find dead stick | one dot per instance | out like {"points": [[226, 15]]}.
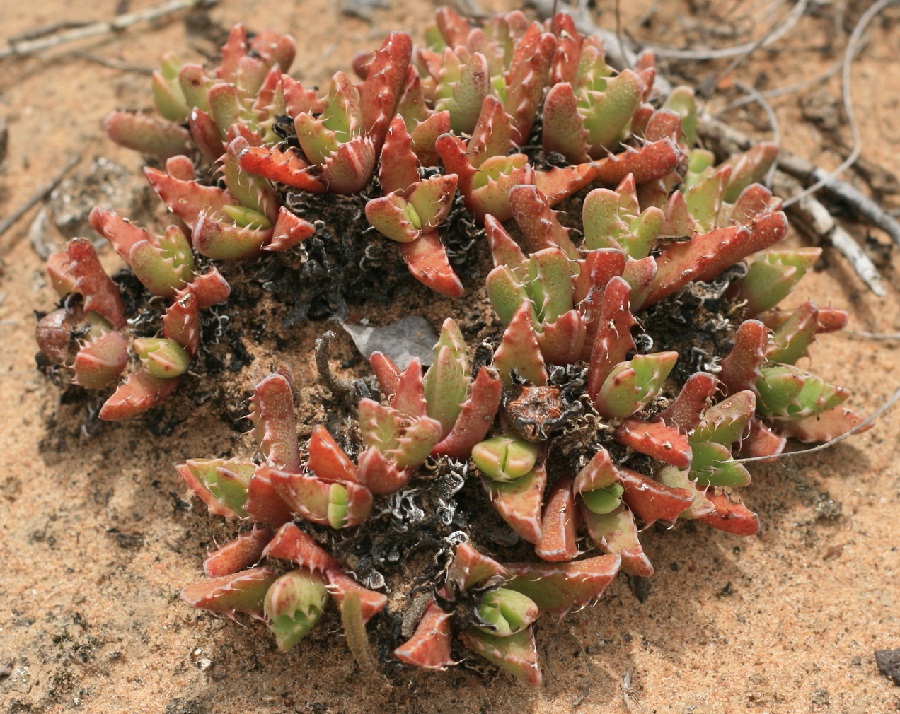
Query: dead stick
{"points": [[38, 196], [855, 200], [96, 29], [812, 217]]}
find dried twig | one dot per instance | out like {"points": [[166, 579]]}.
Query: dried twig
{"points": [[812, 217], [38, 196], [23, 48], [861, 334]]}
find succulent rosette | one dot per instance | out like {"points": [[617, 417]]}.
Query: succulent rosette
{"points": [[640, 347]]}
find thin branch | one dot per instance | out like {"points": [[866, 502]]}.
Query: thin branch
{"points": [[814, 218], [871, 335], [45, 30], [853, 198], [38, 196], [24, 48], [895, 397]]}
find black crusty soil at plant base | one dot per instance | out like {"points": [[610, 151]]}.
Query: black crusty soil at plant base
{"points": [[636, 357]]}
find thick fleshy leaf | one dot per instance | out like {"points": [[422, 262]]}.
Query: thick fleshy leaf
{"points": [[380, 90], [339, 505], [289, 230], [505, 612], [462, 87], [100, 293], [526, 78], [506, 292], [505, 458], [562, 341], [653, 501], [138, 393], [220, 483], [275, 423], [650, 162], [326, 458], [519, 502], [428, 263], [100, 361], [379, 474], [264, 505], [294, 603], [598, 473], [446, 383], [708, 254], [469, 567], [161, 357], [394, 218], [516, 654], [429, 647], [726, 422], [475, 416], [340, 585], [791, 340], [519, 350], [290, 543], [633, 384], [162, 264], [730, 516], [181, 322], [608, 113], [612, 334], [559, 526], [563, 127], [616, 533], [656, 440], [713, 465], [409, 397], [772, 275], [240, 592], [789, 393], [492, 135], [824, 426], [432, 199], [240, 553], [686, 410], [762, 441], [147, 134], [538, 222], [559, 587], [741, 368]]}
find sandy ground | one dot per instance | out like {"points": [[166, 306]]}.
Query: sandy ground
{"points": [[97, 535]]}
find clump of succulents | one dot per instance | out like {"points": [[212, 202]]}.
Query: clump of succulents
{"points": [[636, 358]]}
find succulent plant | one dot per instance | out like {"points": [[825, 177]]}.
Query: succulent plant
{"points": [[632, 363]]}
